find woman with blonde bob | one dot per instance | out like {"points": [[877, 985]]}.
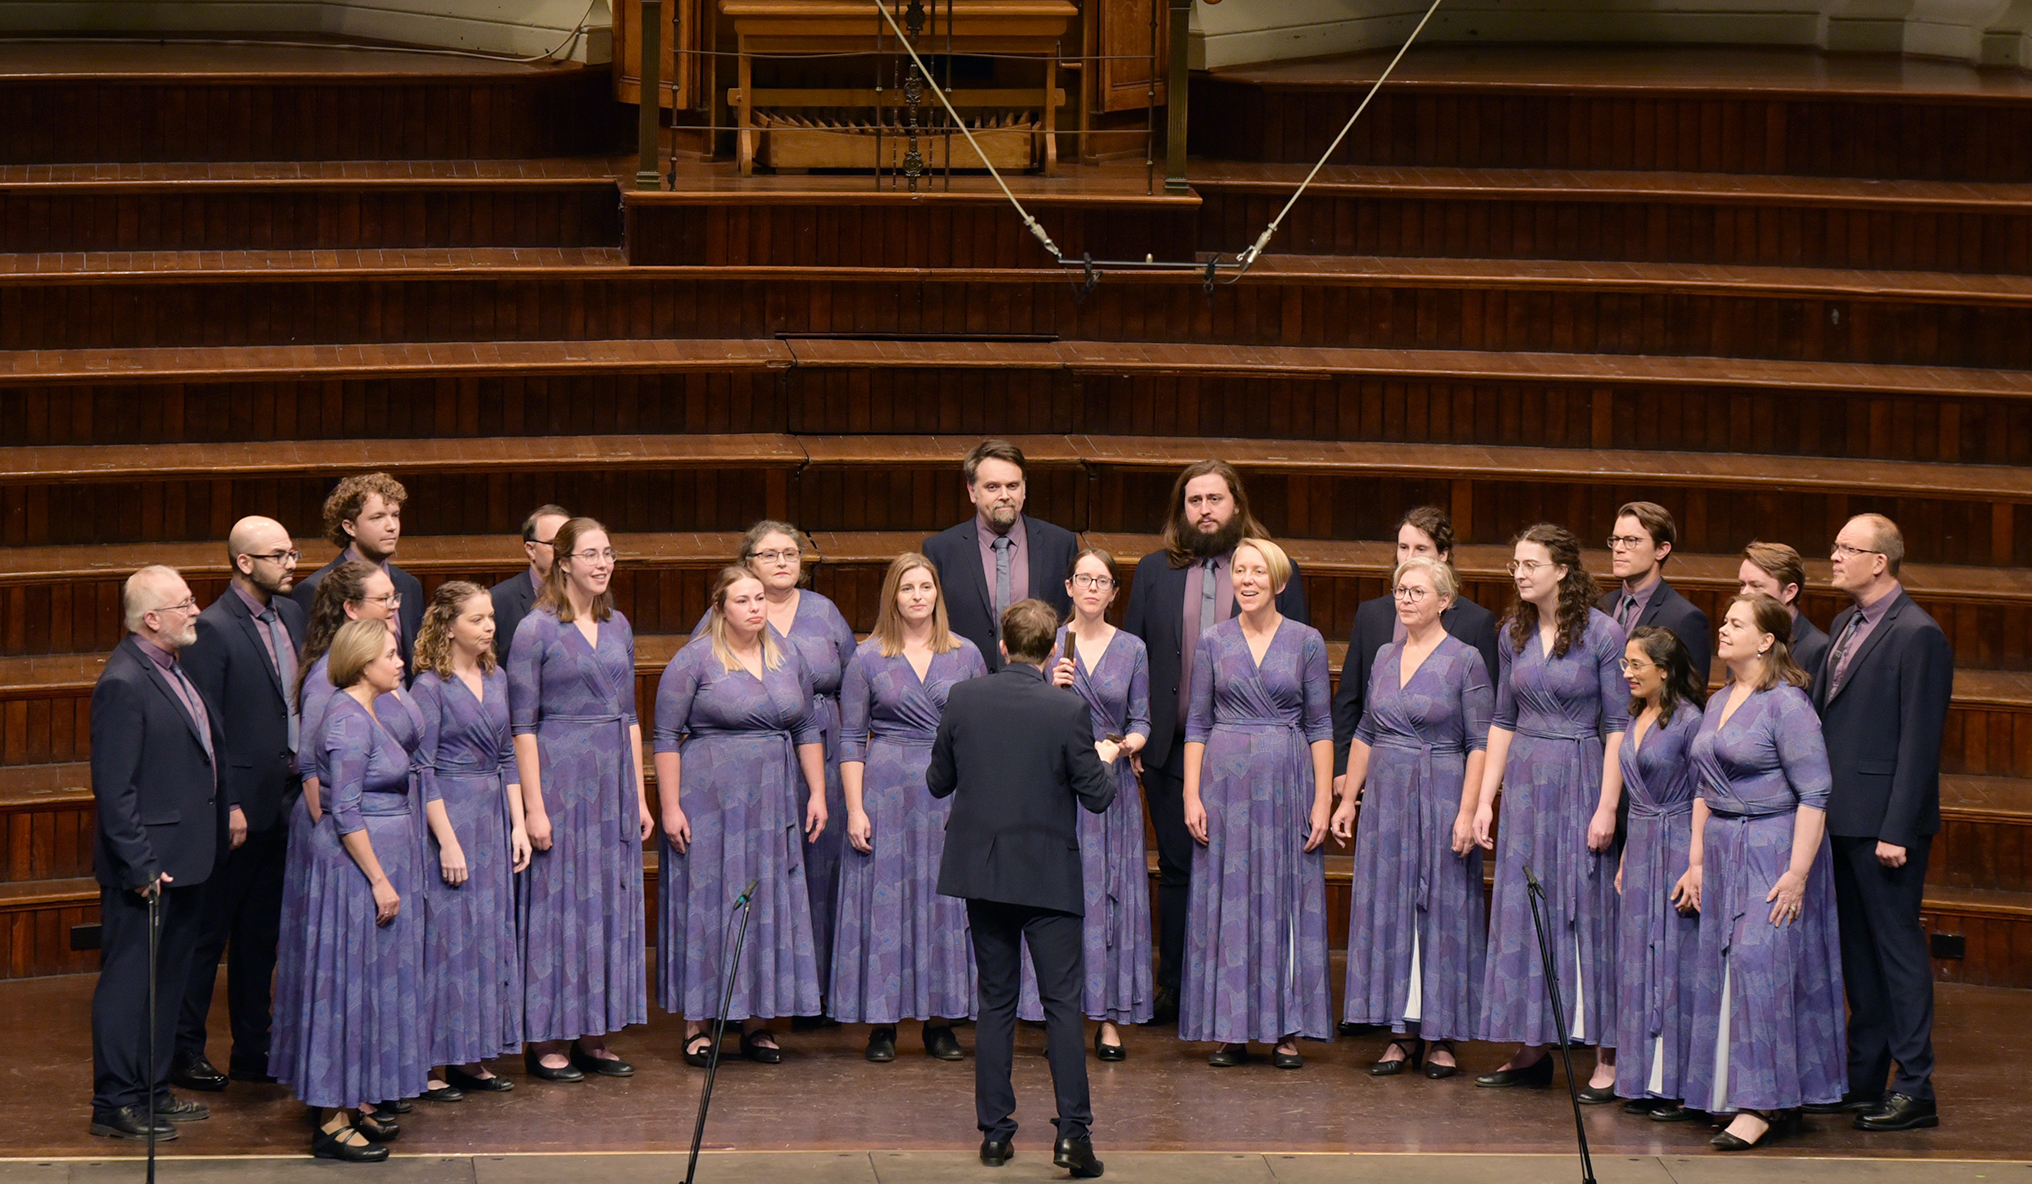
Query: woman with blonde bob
{"points": [[738, 747], [901, 950]]}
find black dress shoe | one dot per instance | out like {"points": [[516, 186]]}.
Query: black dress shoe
{"points": [[325, 1146], [603, 1066], [940, 1045], [378, 1129], [698, 1049], [1414, 1055], [1227, 1056], [1778, 1126], [1646, 1105], [253, 1072], [1108, 1052], [1350, 1028], [1597, 1095], [171, 1108], [534, 1066], [495, 1084], [1076, 1156], [1537, 1075], [882, 1044], [812, 1023], [996, 1152], [394, 1106], [443, 1093], [131, 1122], [1676, 1112], [761, 1054], [194, 1071], [1853, 1101], [1900, 1112], [1287, 1060], [1164, 1011]]}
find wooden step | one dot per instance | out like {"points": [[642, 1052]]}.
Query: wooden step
{"points": [[1986, 835], [47, 821], [1995, 928], [36, 919]]}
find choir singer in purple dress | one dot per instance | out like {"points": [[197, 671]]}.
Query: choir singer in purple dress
{"points": [[740, 769], [1416, 935], [578, 759], [1769, 1009], [1258, 793]]}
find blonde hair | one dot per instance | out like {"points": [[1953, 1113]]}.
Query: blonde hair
{"points": [[889, 623], [355, 645], [1275, 561], [716, 623], [434, 636], [1439, 571]]}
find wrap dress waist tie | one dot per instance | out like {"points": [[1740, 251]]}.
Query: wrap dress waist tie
{"points": [[1734, 903], [1424, 784], [781, 810], [624, 788], [1663, 913], [902, 737], [474, 771], [1566, 903]]}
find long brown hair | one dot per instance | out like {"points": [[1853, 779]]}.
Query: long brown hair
{"points": [[434, 636], [1576, 592], [889, 623], [563, 547], [1773, 618], [716, 623], [1175, 524], [343, 585], [1683, 684]]}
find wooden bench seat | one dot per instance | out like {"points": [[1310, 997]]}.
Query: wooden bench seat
{"points": [[272, 363]]}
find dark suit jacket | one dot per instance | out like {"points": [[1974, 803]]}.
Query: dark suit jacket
{"points": [[970, 603], [229, 663], [1157, 615], [1016, 753], [1883, 729], [410, 614], [513, 598], [1675, 612], [156, 792], [1809, 645], [1375, 625]]}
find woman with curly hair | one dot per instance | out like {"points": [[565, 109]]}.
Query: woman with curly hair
{"points": [[1555, 745]]}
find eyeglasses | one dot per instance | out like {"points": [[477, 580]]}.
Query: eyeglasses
{"points": [[386, 599], [1844, 551], [1527, 567], [786, 556], [1084, 580], [1626, 542], [544, 542], [590, 555], [186, 605], [1630, 667], [1412, 594], [279, 556]]}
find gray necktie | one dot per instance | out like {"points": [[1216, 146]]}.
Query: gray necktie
{"points": [[193, 704], [1209, 606], [1626, 613], [1839, 656], [285, 665], [1001, 546]]}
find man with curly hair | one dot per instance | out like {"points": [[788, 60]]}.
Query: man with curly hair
{"points": [[363, 518]]}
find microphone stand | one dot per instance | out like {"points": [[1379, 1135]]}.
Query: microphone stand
{"points": [[742, 905], [1535, 893], [154, 954]]}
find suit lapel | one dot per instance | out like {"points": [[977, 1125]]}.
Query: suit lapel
{"points": [[1868, 646], [161, 683], [253, 627], [974, 577]]}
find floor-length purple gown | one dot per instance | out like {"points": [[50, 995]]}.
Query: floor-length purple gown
{"points": [[1657, 946], [739, 786], [355, 1030], [1256, 954], [901, 951], [1561, 711], [1769, 1011], [471, 957], [1416, 934], [822, 637], [1113, 864], [584, 971]]}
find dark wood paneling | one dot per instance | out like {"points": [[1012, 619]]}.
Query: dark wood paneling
{"points": [[1983, 854], [1999, 948], [54, 843]]}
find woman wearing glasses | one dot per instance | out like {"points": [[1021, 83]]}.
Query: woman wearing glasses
{"points": [[1658, 929], [1111, 671], [1415, 770], [1554, 752], [578, 756], [811, 625]]}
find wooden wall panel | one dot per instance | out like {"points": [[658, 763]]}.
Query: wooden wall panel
{"points": [[1983, 854], [48, 844]]}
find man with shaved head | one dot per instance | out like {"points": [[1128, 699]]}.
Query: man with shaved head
{"points": [[244, 660]]}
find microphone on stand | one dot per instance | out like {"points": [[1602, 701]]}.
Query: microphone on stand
{"points": [[1535, 895], [742, 907]]}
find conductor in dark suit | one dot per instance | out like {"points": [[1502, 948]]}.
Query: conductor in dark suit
{"points": [[516, 595], [1424, 531], [1639, 546], [244, 661], [1179, 591], [1883, 696], [1777, 571], [1017, 756], [363, 517], [1000, 555], [161, 825]]}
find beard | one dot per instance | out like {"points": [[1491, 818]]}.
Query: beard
{"points": [[1001, 517], [1205, 546], [273, 586], [187, 637]]}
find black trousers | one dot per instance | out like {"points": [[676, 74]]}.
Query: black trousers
{"points": [[1164, 798], [1886, 966], [241, 917], [1058, 956], [120, 1002]]}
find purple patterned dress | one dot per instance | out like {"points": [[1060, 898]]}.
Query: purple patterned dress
{"points": [[822, 637], [1255, 951], [470, 953], [739, 786], [1416, 935], [1657, 947], [1769, 1013], [584, 972], [353, 1032], [901, 950], [1561, 711], [1113, 865]]}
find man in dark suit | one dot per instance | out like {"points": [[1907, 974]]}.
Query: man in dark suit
{"points": [[244, 661], [1016, 755], [1777, 571], [516, 595], [363, 518], [1639, 547], [1883, 696], [1425, 531], [1000, 555], [1178, 592], [161, 825]]}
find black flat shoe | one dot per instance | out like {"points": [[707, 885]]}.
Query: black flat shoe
{"points": [[812, 1023], [1108, 1052], [1076, 1156], [1597, 1095], [495, 1084], [1164, 1011], [533, 1064], [698, 1049], [1900, 1112], [395, 1106], [1287, 1060], [1851, 1102], [194, 1071], [761, 1054], [1676, 1112], [609, 1066], [328, 1146], [939, 1044], [995, 1153], [443, 1093], [131, 1122], [1778, 1127], [882, 1044], [1643, 1106], [1227, 1056], [1435, 1070], [377, 1129], [1414, 1055], [1537, 1075]]}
